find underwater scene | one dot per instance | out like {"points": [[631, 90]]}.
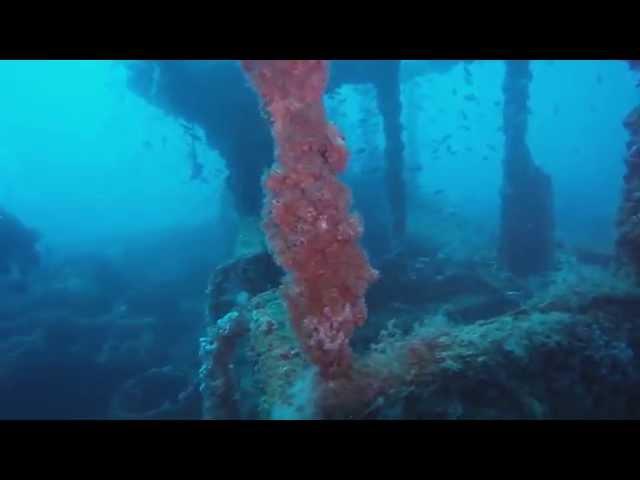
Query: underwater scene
{"points": [[311, 239]]}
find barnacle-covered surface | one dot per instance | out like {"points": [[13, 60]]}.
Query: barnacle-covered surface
{"points": [[569, 352]]}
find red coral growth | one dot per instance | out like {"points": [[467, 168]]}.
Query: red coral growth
{"points": [[307, 214]]}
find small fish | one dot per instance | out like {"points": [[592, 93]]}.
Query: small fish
{"points": [[497, 103], [463, 114], [485, 158], [454, 92], [361, 151], [445, 138], [439, 142], [164, 141], [191, 133], [491, 147], [599, 79], [440, 191], [465, 127], [197, 170], [513, 292], [470, 97], [148, 145], [556, 110]]}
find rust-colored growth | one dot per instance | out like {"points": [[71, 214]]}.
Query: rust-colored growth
{"points": [[379, 377], [308, 223]]}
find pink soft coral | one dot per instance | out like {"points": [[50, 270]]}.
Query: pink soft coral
{"points": [[307, 219]]}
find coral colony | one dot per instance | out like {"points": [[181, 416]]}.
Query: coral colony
{"points": [[310, 229]]}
